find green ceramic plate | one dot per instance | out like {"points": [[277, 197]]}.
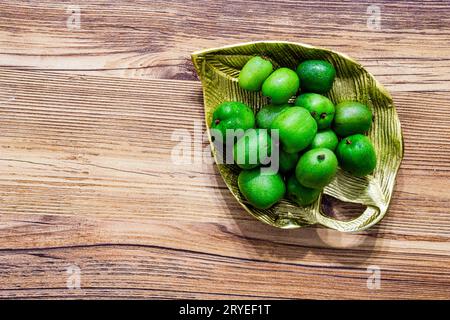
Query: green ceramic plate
{"points": [[219, 68]]}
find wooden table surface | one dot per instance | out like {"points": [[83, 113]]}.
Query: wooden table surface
{"points": [[88, 182]]}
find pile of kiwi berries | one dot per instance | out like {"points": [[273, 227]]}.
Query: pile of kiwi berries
{"points": [[315, 136]]}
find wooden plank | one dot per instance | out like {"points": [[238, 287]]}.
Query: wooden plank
{"points": [[87, 179], [153, 39]]}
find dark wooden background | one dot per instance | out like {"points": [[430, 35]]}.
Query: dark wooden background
{"points": [[87, 181]]}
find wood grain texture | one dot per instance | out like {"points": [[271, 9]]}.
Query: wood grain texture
{"points": [[87, 120], [141, 39]]}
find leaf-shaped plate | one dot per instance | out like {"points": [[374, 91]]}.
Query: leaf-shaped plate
{"points": [[218, 70]]}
